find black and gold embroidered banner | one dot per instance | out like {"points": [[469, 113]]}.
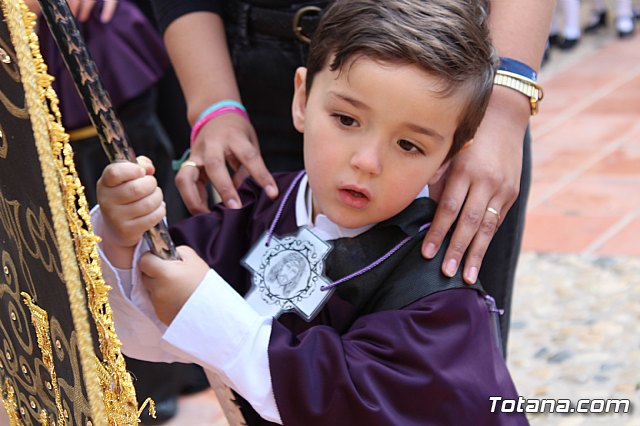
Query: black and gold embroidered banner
{"points": [[60, 360]]}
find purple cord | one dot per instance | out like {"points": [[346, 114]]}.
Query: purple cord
{"points": [[375, 262], [281, 208], [493, 306], [354, 274]]}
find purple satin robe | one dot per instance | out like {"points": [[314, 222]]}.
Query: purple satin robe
{"points": [[432, 362], [128, 52]]}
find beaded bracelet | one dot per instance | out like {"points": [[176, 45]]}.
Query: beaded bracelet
{"points": [[213, 114]]}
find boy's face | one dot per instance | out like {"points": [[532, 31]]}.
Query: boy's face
{"points": [[374, 135]]}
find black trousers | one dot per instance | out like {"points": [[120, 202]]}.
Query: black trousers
{"points": [[265, 66], [147, 137]]}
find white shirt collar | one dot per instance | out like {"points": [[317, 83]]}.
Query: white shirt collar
{"points": [[324, 227]]}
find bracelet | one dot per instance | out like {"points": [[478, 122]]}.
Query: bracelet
{"points": [[516, 67], [225, 103], [177, 164], [524, 85], [213, 114]]}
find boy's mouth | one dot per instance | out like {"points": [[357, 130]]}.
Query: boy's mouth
{"points": [[354, 197], [356, 193]]}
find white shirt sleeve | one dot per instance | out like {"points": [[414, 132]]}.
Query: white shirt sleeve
{"points": [[216, 328], [220, 331]]}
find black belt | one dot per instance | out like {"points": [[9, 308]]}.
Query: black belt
{"points": [[295, 23]]}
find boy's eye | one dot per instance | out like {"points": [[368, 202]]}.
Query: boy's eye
{"points": [[345, 120], [409, 146]]}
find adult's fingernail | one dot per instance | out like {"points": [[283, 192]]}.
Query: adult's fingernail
{"points": [[430, 250], [233, 204], [272, 191], [472, 275], [451, 267]]}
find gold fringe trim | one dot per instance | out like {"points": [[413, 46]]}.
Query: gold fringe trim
{"points": [[109, 386]]}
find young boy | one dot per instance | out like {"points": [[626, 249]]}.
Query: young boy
{"points": [[392, 90]]}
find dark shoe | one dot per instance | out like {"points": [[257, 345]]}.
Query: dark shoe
{"points": [[554, 40], [568, 43], [625, 34], [596, 21]]}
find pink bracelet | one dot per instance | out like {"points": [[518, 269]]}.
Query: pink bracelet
{"points": [[213, 114]]}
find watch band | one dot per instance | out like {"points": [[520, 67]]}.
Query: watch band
{"points": [[524, 85], [517, 67]]}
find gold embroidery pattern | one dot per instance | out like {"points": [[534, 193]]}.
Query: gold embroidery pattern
{"points": [[8, 397], [110, 396], [40, 321]]}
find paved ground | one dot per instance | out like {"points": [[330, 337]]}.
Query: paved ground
{"points": [[577, 301]]}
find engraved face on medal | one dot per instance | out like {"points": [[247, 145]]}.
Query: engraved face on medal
{"points": [[287, 274]]}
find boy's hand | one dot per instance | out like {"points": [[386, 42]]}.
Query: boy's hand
{"points": [[130, 200], [170, 283]]}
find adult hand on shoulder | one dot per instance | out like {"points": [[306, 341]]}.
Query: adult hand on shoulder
{"points": [[227, 139], [170, 283], [81, 9], [482, 184]]}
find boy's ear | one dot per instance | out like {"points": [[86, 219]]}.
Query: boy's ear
{"points": [[299, 105]]}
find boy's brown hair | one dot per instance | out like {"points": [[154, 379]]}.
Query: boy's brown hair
{"points": [[449, 39]]}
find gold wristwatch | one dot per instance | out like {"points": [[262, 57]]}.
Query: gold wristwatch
{"points": [[524, 85]]}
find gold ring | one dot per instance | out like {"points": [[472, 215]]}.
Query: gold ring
{"points": [[494, 211], [189, 163]]}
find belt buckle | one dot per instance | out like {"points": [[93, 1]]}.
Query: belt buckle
{"points": [[297, 18]]}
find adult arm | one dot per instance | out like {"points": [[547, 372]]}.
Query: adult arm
{"points": [[197, 47], [487, 174]]}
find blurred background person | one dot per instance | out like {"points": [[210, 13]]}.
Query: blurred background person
{"points": [[565, 25], [624, 17]]}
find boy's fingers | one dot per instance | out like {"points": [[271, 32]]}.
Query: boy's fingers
{"points": [[153, 266], [118, 173], [150, 265], [146, 164]]}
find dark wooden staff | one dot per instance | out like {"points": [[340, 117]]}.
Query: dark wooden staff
{"points": [[64, 29]]}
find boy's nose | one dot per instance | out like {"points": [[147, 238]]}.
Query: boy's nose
{"points": [[367, 159]]}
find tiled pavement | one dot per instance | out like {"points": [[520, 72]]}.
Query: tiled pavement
{"points": [[576, 307], [586, 178]]}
